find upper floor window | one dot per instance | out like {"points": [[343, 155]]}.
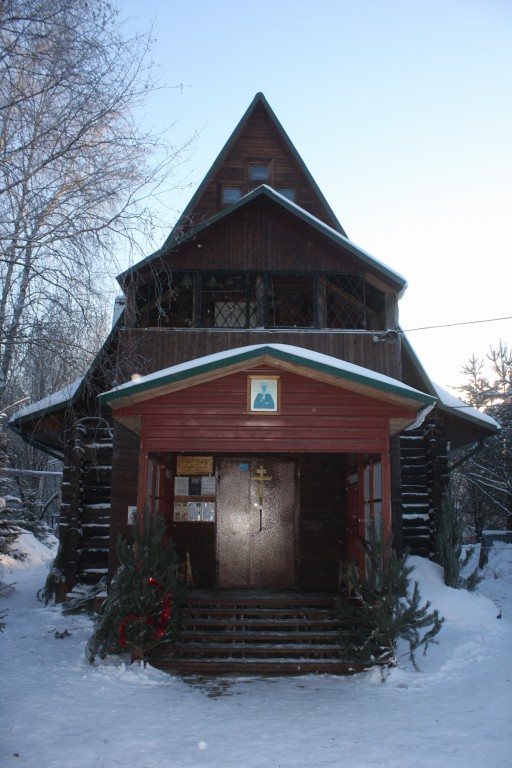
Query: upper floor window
{"points": [[289, 192], [243, 300], [231, 194], [259, 172], [345, 301]]}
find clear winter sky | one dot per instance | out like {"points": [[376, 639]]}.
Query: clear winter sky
{"points": [[401, 110]]}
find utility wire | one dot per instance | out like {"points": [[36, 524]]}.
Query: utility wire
{"points": [[452, 325]]}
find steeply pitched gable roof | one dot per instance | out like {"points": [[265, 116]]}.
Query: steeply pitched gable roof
{"points": [[399, 282], [246, 131]]}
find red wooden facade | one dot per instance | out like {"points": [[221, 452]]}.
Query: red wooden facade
{"points": [[314, 418], [352, 423]]}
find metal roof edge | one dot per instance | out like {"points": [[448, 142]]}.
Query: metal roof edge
{"points": [[76, 389], [376, 381], [48, 404], [482, 422], [291, 207]]}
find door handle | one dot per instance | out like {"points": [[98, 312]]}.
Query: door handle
{"points": [[261, 522]]}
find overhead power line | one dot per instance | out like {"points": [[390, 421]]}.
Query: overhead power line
{"points": [[453, 325]]}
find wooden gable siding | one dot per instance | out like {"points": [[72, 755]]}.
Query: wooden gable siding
{"points": [[315, 418], [148, 350], [262, 236], [259, 141]]}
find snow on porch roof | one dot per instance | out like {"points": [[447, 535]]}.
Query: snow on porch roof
{"points": [[455, 404], [281, 355]]}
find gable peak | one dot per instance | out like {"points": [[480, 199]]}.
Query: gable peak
{"points": [[258, 151]]}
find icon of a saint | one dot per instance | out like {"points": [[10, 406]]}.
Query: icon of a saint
{"points": [[264, 400]]}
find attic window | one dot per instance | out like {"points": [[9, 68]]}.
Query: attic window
{"points": [[289, 192], [259, 171], [231, 194]]}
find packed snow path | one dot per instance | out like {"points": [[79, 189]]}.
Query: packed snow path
{"points": [[58, 711]]}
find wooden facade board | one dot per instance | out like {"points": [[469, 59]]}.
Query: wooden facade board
{"points": [[144, 350], [259, 140], [270, 238], [315, 417]]}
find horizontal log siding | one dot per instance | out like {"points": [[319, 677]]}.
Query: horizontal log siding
{"points": [[259, 141], [315, 418], [149, 350], [125, 471]]}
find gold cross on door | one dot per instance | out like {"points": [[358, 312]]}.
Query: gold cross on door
{"points": [[260, 478]]}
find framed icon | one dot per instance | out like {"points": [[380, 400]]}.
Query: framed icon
{"points": [[263, 394]]}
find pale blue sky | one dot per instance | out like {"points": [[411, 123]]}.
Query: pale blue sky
{"points": [[402, 111]]}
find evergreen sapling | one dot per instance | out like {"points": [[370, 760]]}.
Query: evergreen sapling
{"points": [[382, 608], [141, 610]]}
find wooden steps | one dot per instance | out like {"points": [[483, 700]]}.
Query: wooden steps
{"points": [[257, 633]]}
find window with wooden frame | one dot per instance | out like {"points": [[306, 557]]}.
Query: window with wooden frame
{"points": [[243, 300], [290, 301], [289, 192], [259, 172], [228, 301], [230, 194]]}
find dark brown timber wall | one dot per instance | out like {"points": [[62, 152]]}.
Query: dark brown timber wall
{"points": [[322, 520], [148, 350]]}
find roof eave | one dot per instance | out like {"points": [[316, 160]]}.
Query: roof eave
{"points": [[263, 190], [212, 368]]}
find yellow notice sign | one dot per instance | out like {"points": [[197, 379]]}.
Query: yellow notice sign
{"points": [[194, 465]]}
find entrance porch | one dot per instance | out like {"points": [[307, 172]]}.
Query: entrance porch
{"points": [[265, 632]]}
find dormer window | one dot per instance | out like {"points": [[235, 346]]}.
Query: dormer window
{"points": [[231, 194], [259, 172]]}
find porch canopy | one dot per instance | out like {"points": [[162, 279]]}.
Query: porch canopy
{"points": [[264, 411], [325, 404]]}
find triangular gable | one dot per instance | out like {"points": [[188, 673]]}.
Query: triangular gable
{"points": [[258, 120], [398, 282], [286, 357]]}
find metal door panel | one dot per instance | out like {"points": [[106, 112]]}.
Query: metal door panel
{"points": [[256, 523]]}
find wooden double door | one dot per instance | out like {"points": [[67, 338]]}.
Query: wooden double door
{"points": [[257, 513]]}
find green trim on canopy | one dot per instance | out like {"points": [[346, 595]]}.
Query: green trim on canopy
{"points": [[320, 363]]}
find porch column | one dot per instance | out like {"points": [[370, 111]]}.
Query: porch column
{"points": [[386, 492]]}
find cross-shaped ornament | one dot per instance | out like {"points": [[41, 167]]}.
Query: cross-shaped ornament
{"points": [[260, 478]]}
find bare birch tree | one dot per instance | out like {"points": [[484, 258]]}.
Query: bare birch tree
{"points": [[78, 179], [483, 485], [76, 171]]}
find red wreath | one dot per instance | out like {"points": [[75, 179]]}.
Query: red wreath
{"points": [[163, 619]]}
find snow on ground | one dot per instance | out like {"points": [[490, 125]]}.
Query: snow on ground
{"points": [[60, 712]]}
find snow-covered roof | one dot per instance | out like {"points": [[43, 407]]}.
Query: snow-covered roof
{"points": [[283, 353], [50, 403], [269, 192], [451, 402], [448, 402]]}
